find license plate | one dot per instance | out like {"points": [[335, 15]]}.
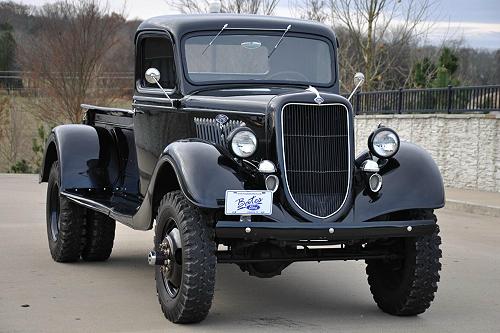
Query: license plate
{"points": [[249, 202]]}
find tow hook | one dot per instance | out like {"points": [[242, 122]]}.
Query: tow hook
{"points": [[155, 258]]}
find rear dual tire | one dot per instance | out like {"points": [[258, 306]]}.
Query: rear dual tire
{"points": [[100, 235], [74, 231]]}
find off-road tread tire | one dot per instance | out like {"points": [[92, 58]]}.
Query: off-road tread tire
{"points": [[100, 237], [194, 298], [70, 239], [419, 284]]}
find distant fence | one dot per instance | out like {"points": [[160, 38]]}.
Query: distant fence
{"points": [[480, 99], [23, 83]]}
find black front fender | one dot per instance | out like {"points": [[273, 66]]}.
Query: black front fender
{"points": [[411, 180], [203, 170]]}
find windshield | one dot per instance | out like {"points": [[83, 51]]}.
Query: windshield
{"points": [[250, 57]]}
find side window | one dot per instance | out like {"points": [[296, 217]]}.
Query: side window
{"points": [[158, 52]]}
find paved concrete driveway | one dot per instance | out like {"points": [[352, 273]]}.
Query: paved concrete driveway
{"points": [[39, 295]]}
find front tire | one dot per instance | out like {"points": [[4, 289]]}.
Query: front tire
{"points": [[406, 286], [185, 236], [65, 222]]}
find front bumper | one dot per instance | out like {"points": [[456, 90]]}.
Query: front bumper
{"points": [[294, 231]]}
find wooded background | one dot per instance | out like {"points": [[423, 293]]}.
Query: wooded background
{"points": [[73, 52]]}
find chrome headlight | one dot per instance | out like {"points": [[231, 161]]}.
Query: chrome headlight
{"points": [[243, 142], [383, 142]]}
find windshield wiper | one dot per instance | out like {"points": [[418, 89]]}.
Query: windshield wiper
{"points": [[279, 42], [211, 42]]}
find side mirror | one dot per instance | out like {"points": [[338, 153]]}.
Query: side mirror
{"points": [[152, 75], [359, 79]]}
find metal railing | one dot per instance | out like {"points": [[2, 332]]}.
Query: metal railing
{"points": [[479, 99]]}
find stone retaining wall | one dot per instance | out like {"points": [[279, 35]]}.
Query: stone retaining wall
{"points": [[466, 147]]}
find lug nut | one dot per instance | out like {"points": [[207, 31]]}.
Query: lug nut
{"points": [[152, 258], [156, 258], [248, 230], [331, 230]]}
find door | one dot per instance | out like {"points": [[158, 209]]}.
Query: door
{"points": [[156, 122]]}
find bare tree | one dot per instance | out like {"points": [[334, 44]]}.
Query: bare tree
{"points": [[381, 32], [264, 7], [315, 10], [65, 57]]}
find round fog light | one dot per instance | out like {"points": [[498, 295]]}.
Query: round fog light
{"points": [[375, 182], [272, 183]]}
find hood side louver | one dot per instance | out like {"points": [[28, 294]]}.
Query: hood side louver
{"points": [[210, 130]]}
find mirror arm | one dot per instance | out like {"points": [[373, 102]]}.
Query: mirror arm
{"points": [[355, 89], [159, 85]]}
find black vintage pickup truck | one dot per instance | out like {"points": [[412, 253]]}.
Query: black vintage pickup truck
{"points": [[239, 149]]}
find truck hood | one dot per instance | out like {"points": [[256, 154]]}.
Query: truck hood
{"points": [[254, 100], [256, 107]]}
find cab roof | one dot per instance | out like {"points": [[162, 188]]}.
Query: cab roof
{"points": [[178, 25]]}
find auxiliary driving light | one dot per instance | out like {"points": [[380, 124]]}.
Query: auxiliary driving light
{"points": [[375, 182], [370, 166], [266, 166], [383, 142]]}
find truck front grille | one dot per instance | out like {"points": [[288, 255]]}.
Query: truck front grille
{"points": [[316, 154]]}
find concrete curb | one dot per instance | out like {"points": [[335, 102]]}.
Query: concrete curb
{"points": [[472, 208]]}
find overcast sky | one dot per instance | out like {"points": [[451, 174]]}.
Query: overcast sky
{"points": [[476, 21]]}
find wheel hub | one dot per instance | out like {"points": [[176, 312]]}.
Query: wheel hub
{"points": [[166, 250], [171, 268]]}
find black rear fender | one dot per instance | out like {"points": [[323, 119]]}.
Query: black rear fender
{"points": [[87, 157]]}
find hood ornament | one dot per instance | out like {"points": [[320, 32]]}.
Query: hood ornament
{"points": [[318, 99]]}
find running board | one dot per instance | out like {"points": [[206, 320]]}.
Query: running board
{"points": [[109, 210]]}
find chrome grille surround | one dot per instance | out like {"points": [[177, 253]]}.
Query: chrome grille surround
{"points": [[348, 158]]}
